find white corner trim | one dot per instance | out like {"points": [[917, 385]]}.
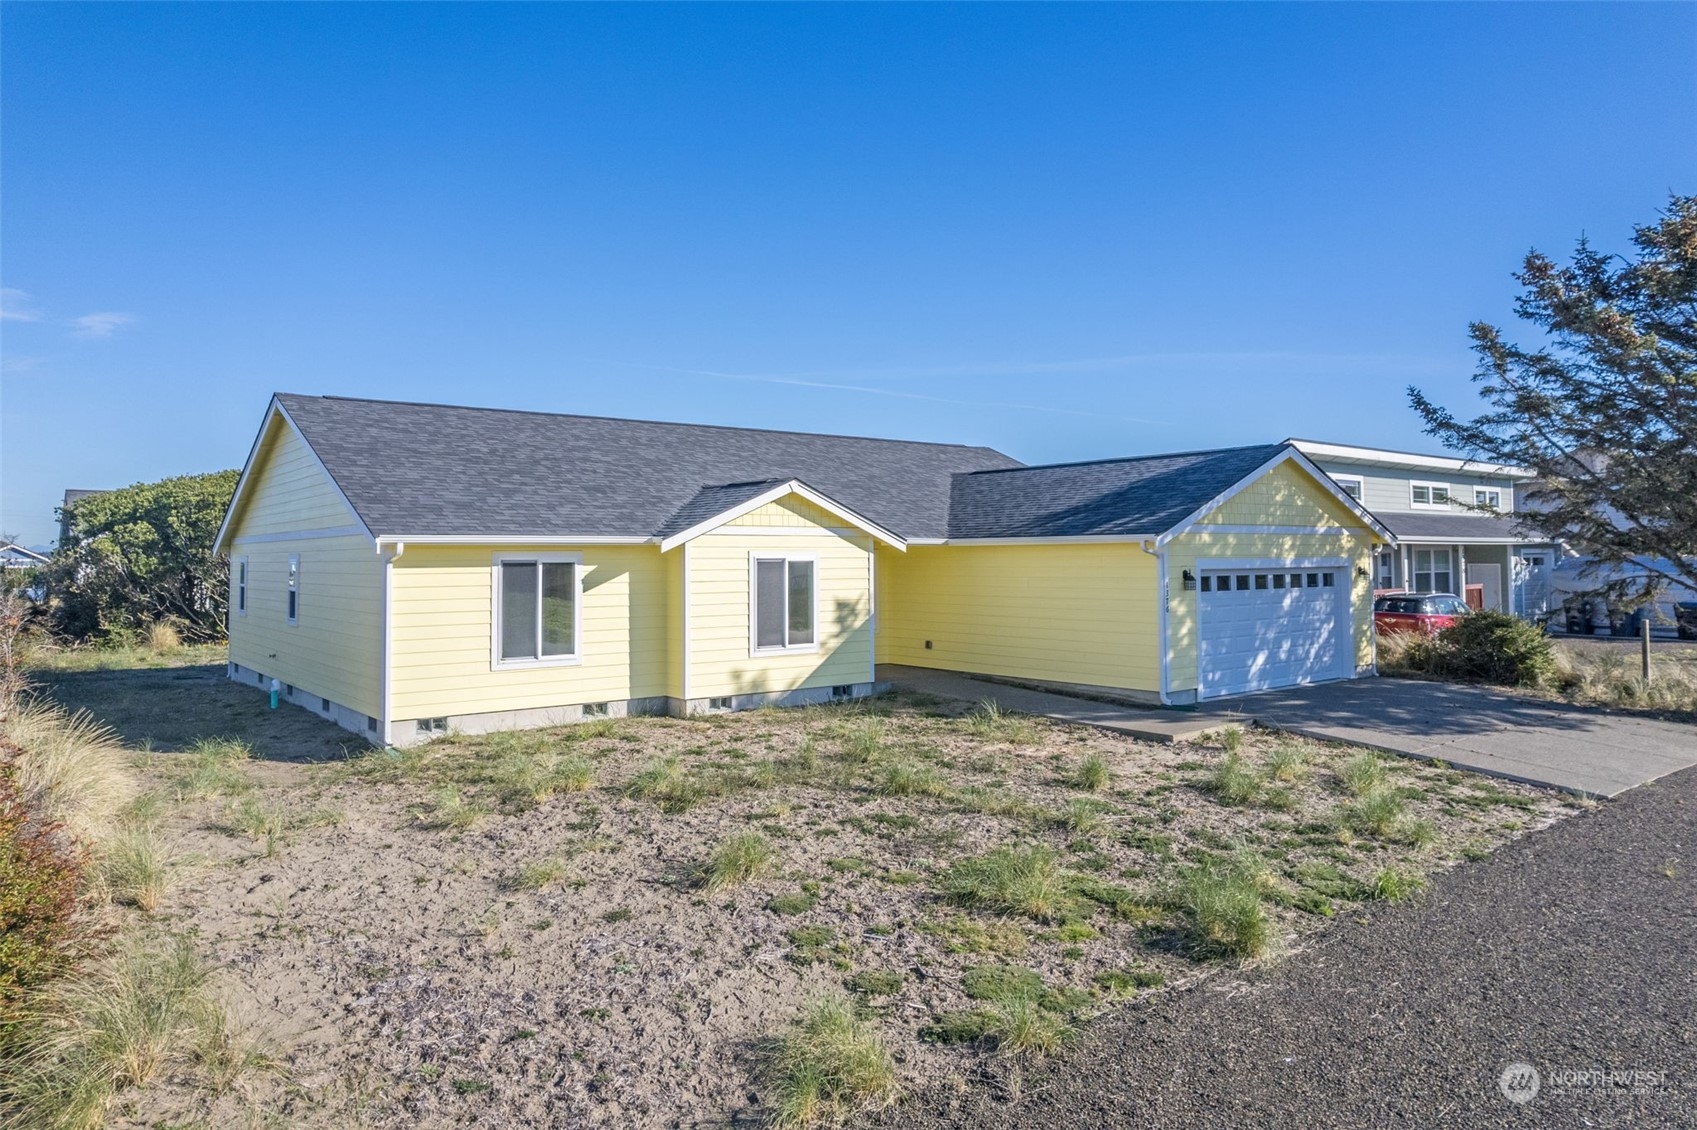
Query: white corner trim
{"points": [[386, 658], [872, 610], [684, 670], [1289, 454], [793, 486], [276, 409]]}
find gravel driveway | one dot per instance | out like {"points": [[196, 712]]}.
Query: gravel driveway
{"points": [[1573, 949]]}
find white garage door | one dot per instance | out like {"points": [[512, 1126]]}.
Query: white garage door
{"points": [[1271, 627]]}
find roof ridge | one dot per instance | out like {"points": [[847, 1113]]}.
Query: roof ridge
{"points": [[638, 420], [1120, 459]]}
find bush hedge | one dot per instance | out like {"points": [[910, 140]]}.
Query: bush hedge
{"points": [[41, 874], [1486, 647]]}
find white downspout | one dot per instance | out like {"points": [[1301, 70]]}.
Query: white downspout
{"points": [[387, 666], [1160, 556]]}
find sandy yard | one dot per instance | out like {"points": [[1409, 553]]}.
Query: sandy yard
{"points": [[524, 929]]}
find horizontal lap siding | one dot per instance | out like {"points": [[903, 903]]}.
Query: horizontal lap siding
{"points": [[443, 607], [1285, 496], [289, 493], [334, 651], [1059, 613], [719, 604]]}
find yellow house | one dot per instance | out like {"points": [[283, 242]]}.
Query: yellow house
{"points": [[407, 569]]}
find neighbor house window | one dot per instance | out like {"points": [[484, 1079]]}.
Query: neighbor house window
{"points": [[782, 598], [536, 609], [1429, 494], [1350, 484], [294, 588], [241, 586], [1488, 496], [1432, 570]]}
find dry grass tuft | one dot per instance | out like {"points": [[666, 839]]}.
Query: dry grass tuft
{"points": [[117, 1024], [831, 1065], [68, 767]]}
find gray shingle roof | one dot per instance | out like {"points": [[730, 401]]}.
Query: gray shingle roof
{"points": [[1464, 526], [1148, 495], [714, 500], [424, 469]]}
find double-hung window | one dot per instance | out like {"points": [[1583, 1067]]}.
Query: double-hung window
{"points": [[241, 586], [782, 596], [1433, 495], [1432, 571], [1350, 485], [1488, 496], [538, 597], [294, 601]]}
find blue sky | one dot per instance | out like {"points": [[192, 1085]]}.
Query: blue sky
{"points": [[1066, 232]]}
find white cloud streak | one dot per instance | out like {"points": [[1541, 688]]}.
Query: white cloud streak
{"points": [[103, 323], [17, 306]]}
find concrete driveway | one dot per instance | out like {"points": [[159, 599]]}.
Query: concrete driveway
{"points": [[1594, 752]]}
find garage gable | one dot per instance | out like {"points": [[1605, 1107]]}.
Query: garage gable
{"points": [[1284, 497]]}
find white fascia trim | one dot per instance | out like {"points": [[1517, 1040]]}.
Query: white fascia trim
{"points": [[1317, 531], [1440, 542], [1379, 455], [793, 486], [301, 535], [504, 539], [1081, 539], [276, 409], [1288, 455]]}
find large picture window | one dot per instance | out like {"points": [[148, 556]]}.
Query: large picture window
{"points": [[536, 609], [783, 603]]}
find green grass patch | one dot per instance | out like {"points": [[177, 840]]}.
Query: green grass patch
{"points": [[1028, 881]]}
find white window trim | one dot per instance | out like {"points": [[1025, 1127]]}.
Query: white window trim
{"points": [[292, 585], [241, 579], [754, 649], [1498, 491], [1430, 486], [1359, 481], [496, 663]]}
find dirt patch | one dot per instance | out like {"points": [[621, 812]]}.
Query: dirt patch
{"points": [[514, 930]]}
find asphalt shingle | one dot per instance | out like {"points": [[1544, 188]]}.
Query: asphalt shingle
{"points": [[1147, 495], [423, 469]]}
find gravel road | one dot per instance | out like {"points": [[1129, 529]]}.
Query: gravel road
{"points": [[1573, 949]]}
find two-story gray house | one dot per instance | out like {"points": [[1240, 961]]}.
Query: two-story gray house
{"points": [[1454, 524]]}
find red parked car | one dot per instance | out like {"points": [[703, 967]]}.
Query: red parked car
{"points": [[1427, 612]]}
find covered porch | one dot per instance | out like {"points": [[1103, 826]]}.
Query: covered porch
{"points": [[1503, 576]]}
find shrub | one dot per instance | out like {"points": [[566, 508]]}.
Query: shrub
{"points": [[736, 860], [829, 1066], [40, 881], [162, 636], [1222, 903], [1233, 782], [1486, 647], [1010, 880]]}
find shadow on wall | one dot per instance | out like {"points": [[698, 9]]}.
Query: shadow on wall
{"points": [[849, 648], [171, 708]]}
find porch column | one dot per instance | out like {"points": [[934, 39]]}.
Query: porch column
{"points": [[1461, 571]]}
